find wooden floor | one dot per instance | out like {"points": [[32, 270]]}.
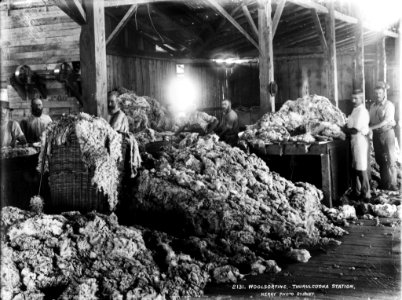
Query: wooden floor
{"points": [[366, 266]]}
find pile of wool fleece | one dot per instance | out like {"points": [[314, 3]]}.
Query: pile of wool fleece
{"points": [[312, 114], [74, 256], [236, 211]]}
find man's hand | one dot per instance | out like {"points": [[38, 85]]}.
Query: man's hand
{"points": [[353, 131]]}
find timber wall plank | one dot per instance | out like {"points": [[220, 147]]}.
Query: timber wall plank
{"points": [[296, 77], [150, 77], [40, 37]]}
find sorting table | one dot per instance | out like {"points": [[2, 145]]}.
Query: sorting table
{"points": [[333, 161]]}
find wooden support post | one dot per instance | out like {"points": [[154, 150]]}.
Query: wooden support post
{"points": [[398, 110], [277, 16], [266, 59], [359, 81], [381, 62], [93, 59], [332, 85], [326, 179]]}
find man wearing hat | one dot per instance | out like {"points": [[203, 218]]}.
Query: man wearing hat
{"points": [[358, 128], [382, 122], [11, 132]]}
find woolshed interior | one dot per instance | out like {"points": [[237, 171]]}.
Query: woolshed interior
{"points": [[217, 149]]}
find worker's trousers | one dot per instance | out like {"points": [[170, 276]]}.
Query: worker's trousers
{"points": [[360, 184], [385, 156]]}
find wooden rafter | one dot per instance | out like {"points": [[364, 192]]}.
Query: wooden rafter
{"points": [[154, 40], [167, 19], [338, 16], [121, 24], [277, 16], [73, 9], [250, 19], [201, 48], [318, 28], [224, 13]]}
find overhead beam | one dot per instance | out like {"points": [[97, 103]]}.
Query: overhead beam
{"points": [[331, 65], [122, 23], [93, 59], [73, 9], [224, 13], [250, 20], [277, 16], [201, 48], [266, 58], [318, 28], [165, 18], [338, 16]]}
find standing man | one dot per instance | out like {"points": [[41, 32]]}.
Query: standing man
{"points": [[358, 128], [382, 122], [228, 127], [118, 119], [11, 132], [36, 123]]}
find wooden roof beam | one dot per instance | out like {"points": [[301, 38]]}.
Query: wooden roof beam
{"points": [[318, 27], [168, 19], [277, 16], [338, 16], [121, 24], [250, 20], [73, 9], [223, 12]]}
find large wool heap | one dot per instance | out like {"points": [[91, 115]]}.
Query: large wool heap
{"points": [[239, 212], [301, 120], [74, 256]]}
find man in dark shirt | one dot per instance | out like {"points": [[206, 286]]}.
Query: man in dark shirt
{"points": [[228, 127]]}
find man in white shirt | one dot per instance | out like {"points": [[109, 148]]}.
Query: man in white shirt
{"points": [[358, 128], [36, 123]]}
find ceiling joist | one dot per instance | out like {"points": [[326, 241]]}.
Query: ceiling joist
{"points": [[224, 13], [121, 24], [277, 16], [250, 20], [73, 9], [318, 27], [338, 16]]}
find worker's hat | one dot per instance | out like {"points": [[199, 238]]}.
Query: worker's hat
{"points": [[382, 85], [357, 92], [5, 104]]}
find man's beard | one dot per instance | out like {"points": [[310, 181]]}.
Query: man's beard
{"points": [[37, 112]]}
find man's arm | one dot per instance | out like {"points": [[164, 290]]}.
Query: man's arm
{"points": [[212, 125], [17, 134], [388, 118]]}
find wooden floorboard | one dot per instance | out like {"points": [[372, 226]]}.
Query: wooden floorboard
{"points": [[368, 261]]}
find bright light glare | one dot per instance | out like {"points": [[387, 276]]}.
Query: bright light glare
{"points": [[379, 15], [182, 94]]}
